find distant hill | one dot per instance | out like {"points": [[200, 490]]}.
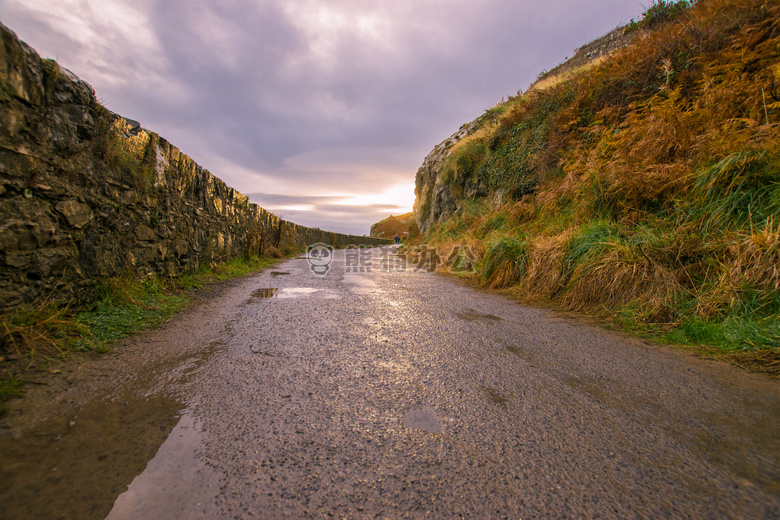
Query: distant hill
{"points": [[401, 225]]}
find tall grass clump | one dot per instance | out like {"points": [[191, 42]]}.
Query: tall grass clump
{"points": [[589, 243], [39, 331], [741, 188], [504, 262], [33, 335]]}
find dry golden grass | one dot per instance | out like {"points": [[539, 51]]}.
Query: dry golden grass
{"points": [[31, 333], [753, 264], [483, 134], [504, 275], [621, 274], [544, 277], [661, 115], [552, 81], [756, 258], [762, 361]]}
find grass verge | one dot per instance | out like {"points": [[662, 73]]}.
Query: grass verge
{"points": [[32, 336], [714, 294]]}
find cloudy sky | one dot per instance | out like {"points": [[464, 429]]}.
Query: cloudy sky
{"points": [[320, 110]]}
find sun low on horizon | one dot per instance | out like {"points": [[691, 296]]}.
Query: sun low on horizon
{"points": [[339, 211], [320, 113]]}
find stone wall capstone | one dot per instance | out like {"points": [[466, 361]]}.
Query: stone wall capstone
{"points": [[614, 40], [86, 195]]}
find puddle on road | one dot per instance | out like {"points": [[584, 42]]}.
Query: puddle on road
{"points": [[279, 273], [495, 397], [472, 315], [264, 293], [286, 292], [295, 292], [522, 353], [75, 464], [175, 483], [423, 419]]}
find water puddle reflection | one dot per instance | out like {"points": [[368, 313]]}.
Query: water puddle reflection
{"points": [[423, 419], [295, 292], [264, 293], [75, 464], [472, 315], [175, 483]]}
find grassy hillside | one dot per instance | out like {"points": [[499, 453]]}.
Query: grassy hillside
{"points": [[646, 188], [402, 225]]}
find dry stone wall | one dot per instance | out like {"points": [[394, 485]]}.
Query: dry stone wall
{"points": [[614, 40], [86, 195]]}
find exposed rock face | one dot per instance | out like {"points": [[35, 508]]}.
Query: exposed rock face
{"points": [[86, 195], [434, 200]]}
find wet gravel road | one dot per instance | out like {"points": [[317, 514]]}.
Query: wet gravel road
{"points": [[409, 395]]}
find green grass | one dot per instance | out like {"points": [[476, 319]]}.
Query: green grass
{"points": [[127, 306], [33, 335], [732, 335], [741, 331], [588, 243], [496, 223], [737, 191], [8, 388], [230, 269], [126, 309], [505, 262]]}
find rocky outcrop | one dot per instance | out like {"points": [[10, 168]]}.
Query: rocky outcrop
{"points": [[434, 200], [437, 198], [86, 195]]}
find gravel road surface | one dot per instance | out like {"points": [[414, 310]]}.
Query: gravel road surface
{"points": [[394, 394]]}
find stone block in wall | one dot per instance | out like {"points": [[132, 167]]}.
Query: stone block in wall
{"points": [[19, 259], [145, 233], [13, 295], [77, 213], [55, 260], [100, 256], [20, 70]]}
